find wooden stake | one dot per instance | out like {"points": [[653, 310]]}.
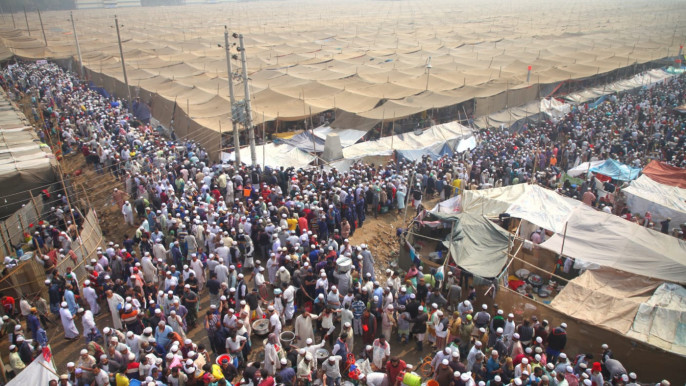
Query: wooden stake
{"points": [[35, 206]]}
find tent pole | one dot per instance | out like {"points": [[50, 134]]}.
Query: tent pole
{"points": [[383, 116], [40, 19], [314, 144], [27, 21], [221, 140], [232, 99], [407, 198], [564, 237], [392, 132], [264, 141]]}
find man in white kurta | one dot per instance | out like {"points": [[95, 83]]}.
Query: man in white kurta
{"points": [[271, 356], [159, 251], [113, 302], [88, 322], [70, 331], [127, 211], [197, 267], [303, 328], [149, 269], [91, 297]]}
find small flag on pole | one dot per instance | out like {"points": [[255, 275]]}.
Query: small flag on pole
{"points": [[528, 74]]}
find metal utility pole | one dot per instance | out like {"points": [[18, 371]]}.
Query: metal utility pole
{"points": [[26, 17], [41, 27], [78, 47], [248, 108], [123, 65], [232, 98]]}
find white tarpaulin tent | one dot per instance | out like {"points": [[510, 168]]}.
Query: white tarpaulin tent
{"points": [[274, 156], [662, 201], [446, 132], [451, 205], [348, 136], [39, 372], [534, 110], [661, 320], [643, 79], [533, 203], [466, 144], [610, 241], [584, 168]]}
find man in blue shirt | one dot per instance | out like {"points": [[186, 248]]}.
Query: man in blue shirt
{"points": [[358, 308], [33, 323], [161, 337], [287, 374], [493, 366]]}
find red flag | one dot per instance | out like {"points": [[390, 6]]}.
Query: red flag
{"points": [[47, 354]]}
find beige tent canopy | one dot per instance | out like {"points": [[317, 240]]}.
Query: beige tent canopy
{"points": [[618, 294], [610, 241], [364, 58]]}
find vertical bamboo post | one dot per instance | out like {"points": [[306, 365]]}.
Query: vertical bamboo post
{"points": [[5, 244], [35, 206]]}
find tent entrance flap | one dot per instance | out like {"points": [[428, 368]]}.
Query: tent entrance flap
{"points": [[476, 244]]}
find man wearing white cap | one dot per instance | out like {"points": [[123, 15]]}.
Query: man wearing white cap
{"points": [[633, 379], [15, 360], [303, 328], [521, 367], [197, 267], [557, 340], [509, 328], [70, 331], [289, 299], [274, 320], [114, 302], [127, 211], [90, 329], [86, 364], [306, 367], [91, 297], [367, 262], [332, 370], [471, 357], [467, 379], [149, 269]]}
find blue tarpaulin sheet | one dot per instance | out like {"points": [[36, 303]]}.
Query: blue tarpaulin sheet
{"points": [[434, 152], [616, 170], [99, 90]]}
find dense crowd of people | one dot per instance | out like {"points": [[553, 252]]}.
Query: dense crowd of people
{"points": [[272, 245]]}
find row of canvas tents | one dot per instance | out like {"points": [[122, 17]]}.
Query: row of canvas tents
{"points": [[633, 274], [438, 140], [660, 189]]}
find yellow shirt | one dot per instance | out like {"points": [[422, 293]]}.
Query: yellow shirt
{"points": [[121, 380], [456, 185], [292, 223], [16, 363]]}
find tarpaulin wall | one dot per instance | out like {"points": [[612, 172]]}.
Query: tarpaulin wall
{"points": [[654, 364], [163, 109], [503, 100], [28, 277]]}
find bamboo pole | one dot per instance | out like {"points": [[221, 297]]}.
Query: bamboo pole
{"points": [[35, 206], [21, 224], [8, 247]]}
